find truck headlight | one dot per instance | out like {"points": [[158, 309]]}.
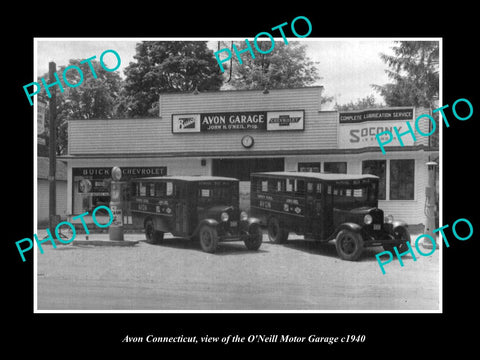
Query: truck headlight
{"points": [[243, 216], [224, 216], [388, 219], [368, 219]]}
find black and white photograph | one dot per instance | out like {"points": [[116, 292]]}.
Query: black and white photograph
{"points": [[239, 175], [183, 181]]}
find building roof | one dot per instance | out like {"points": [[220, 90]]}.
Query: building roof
{"points": [[216, 92], [319, 176], [43, 164]]}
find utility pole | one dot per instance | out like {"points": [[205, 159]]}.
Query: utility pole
{"points": [[52, 204]]}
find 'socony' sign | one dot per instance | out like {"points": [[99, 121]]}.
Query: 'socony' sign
{"points": [[358, 128]]}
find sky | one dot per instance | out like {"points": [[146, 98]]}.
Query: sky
{"points": [[348, 67]]}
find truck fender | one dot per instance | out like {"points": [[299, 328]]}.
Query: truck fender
{"points": [[209, 222], [254, 220], [245, 225], [346, 226], [158, 223], [399, 223]]}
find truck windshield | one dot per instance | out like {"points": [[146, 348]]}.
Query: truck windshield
{"points": [[351, 196], [216, 193]]}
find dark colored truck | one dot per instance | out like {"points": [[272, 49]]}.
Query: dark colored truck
{"points": [[204, 208], [323, 207]]}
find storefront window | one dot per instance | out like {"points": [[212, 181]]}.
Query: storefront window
{"points": [[91, 185], [378, 168], [309, 167], [335, 167], [402, 175]]}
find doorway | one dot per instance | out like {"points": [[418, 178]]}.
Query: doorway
{"points": [[241, 170]]}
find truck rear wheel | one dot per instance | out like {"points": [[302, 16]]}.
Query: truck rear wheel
{"points": [[254, 239], [153, 236], [349, 245], [208, 238], [276, 232]]}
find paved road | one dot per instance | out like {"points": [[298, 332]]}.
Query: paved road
{"points": [[177, 275]]}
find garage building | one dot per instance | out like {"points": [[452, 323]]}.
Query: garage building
{"points": [[234, 133]]}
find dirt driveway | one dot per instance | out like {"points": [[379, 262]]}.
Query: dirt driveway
{"points": [[177, 275]]}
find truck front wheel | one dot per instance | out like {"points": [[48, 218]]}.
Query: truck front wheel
{"points": [[254, 239], [208, 238], [349, 245]]}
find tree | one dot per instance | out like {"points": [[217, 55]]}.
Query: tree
{"points": [[414, 69], [167, 66], [361, 104], [415, 74], [286, 66], [93, 98]]}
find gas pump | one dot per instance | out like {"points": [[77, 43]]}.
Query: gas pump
{"points": [[118, 201]]}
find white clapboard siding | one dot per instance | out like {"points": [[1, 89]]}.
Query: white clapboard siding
{"points": [[423, 125], [411, 211], [118, 136], [43, 199]]}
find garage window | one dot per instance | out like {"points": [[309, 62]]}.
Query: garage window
{"points": [[378, 168], [402, 175]]}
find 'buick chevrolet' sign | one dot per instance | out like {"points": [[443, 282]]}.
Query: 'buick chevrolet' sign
{"points": [[245, 120]]}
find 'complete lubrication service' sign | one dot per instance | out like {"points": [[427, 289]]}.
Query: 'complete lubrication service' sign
{"points": [[358, 128]]}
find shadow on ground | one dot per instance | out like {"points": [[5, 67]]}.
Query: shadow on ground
{"points": [[328, 249], [223, 248]]}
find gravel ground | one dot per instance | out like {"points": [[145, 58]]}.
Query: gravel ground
{"points": [[177, 275]]}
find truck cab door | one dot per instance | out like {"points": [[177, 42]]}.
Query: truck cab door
{"points": [[180, 217], [313, 215], [181, 210], [327, 210]]}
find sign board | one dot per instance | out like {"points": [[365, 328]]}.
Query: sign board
{"points": [[127, 172], [93, 181], [233, 121], [285, 120], [117, 215], [186, 123], [358, 129]]}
